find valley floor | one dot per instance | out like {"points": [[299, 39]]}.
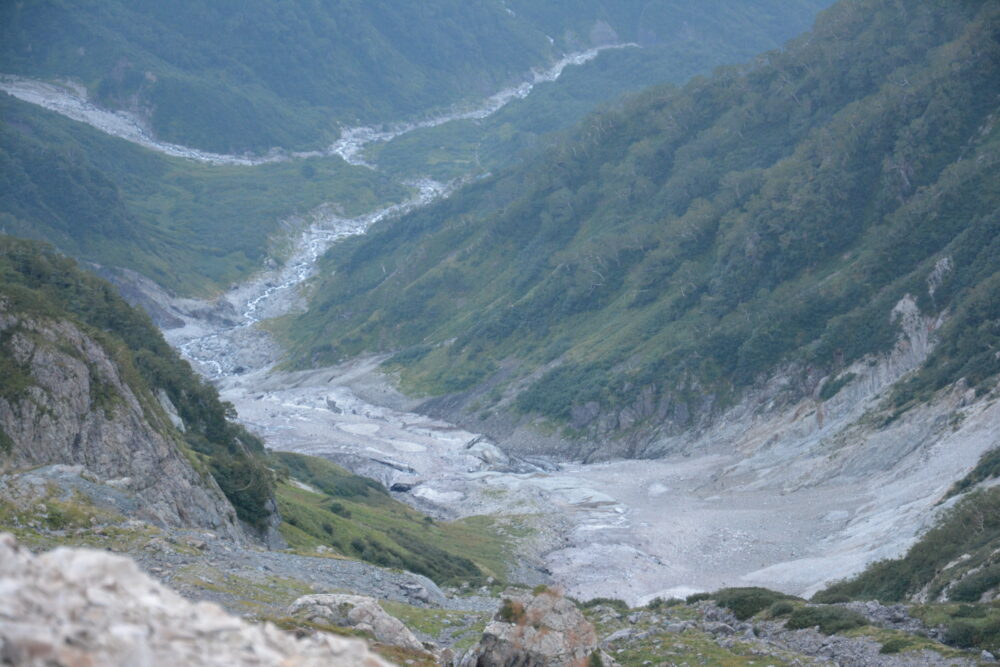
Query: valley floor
{"points": [[634, 529]]}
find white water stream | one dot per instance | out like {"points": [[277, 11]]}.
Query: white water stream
{"points": [[70, 99], [354, 140], [232, 343]]}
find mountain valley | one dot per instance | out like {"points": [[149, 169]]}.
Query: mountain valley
{"points": [[690, 357]]}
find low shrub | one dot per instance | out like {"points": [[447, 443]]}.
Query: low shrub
{"points": [[962, 633], [896, 645], [780, 608], [970, 611], [973, 586], [829, 620], [747, 602], [511, 612], [974, 634], [616, 604]]}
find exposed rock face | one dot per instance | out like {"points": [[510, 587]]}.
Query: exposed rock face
{"points": [[544, 630], [355, 611], [74, 607], [80, 410]]}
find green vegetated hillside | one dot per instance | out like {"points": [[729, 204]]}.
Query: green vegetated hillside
{"points": [[326, 506], [252, 75], [677, 41], [671, 253], [709, 25], [36, 281], [193, 228]]}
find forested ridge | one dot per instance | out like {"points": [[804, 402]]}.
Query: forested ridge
{"points": [[696, 239], [249, 76]]}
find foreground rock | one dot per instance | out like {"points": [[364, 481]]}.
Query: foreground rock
{"points": [[74, 607], [355, 611], [544, 630]]}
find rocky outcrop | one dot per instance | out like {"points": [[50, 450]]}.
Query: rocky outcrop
{"points": [[358, 612], [73, 607], [77, 407], [544, 630]]}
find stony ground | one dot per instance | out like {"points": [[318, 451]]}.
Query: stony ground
{"points": [[260, 585], [705, 634]]}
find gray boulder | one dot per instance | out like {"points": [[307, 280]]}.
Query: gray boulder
{"points": [[544, 630], [355, 611], [83, 607]]}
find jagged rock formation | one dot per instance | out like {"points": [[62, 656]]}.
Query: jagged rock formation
{"points": [[79, 409], [544, 630], [81, 607], [358, 612]]}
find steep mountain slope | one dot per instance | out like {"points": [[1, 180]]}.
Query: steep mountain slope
{"points": [[716, 25], [639, 278], [88, 380], [250, 76], [675, 40], [259, 75]]}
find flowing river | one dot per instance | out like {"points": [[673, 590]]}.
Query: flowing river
{"points": [[70, 99]]}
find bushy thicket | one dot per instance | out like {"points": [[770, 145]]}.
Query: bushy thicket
{"points": [[829, 620], [747, 602]]}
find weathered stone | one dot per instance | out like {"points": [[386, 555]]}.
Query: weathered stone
{"points": [[355, 611], [535, 631], [76, 607], [624, 633], [716, 628], [416, 592]]}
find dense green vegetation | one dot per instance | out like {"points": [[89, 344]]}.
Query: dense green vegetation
{"points": [[36, 281], [712, 34], [256, 74], [356, 517], [190, 227], [748, 602], [829, 620], [683, 246], [261, 74], [708, 26]]}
